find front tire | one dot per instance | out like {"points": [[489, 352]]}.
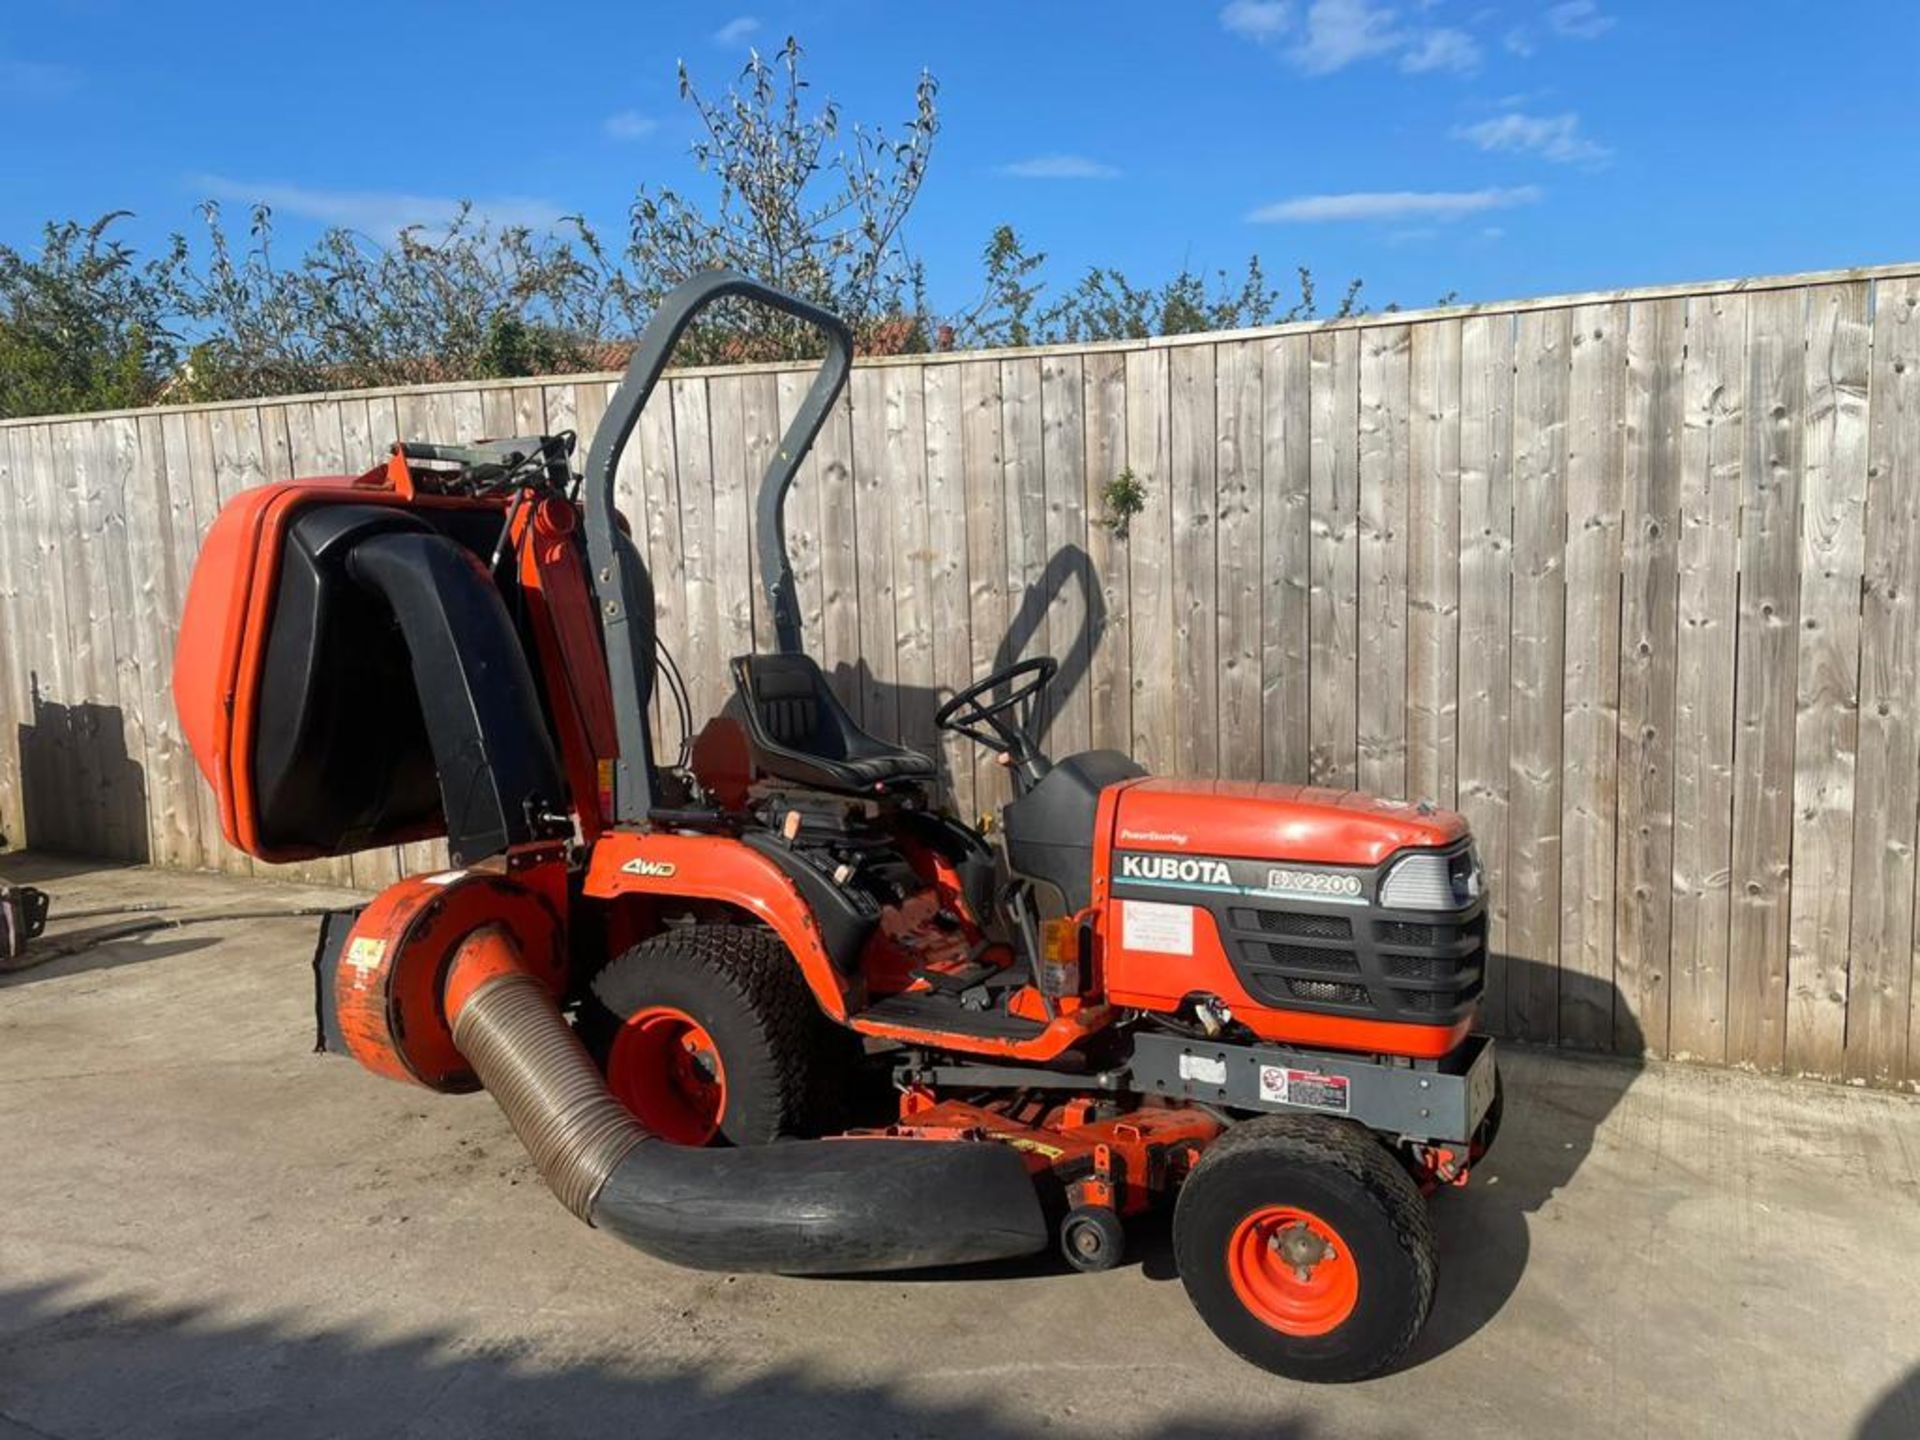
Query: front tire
{"points": [[708, 1034], [1305, 1248]]}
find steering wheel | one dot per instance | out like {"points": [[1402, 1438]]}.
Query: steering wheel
{"points": [[1000, 723]]}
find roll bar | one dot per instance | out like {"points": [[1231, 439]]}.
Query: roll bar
{"points": [[620, 582]]}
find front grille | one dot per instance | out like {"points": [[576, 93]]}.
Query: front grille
{"points": [[1408, 932], [1420, 967], [1432, 1002], [1329, 992], [1293, 922], [1423, 969], [1306, 957]]}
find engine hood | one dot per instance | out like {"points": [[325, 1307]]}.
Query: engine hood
{"points": [[1245, 820]]}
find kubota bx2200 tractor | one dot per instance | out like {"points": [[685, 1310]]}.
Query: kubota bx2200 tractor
{"points": [[679, 981]]}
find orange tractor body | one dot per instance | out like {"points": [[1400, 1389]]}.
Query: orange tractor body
{"points": [[1252, 1001]]}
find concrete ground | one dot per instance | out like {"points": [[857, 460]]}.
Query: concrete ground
{"points": [[207, 1230]]}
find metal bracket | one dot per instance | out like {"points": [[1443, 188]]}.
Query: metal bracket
{"points": [[1441, 1103]]}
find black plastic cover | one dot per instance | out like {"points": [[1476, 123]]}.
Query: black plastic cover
{"points": [[1049, 830], [499, 778], [395, 695]]}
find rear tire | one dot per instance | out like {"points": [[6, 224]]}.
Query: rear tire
{"points": [[709, 1034], [1306, 1248]]}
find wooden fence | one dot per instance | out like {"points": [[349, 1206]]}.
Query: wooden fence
{"points": [[1628, 578]]}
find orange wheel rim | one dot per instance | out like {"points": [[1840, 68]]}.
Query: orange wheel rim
{"points": [[1293, 1271], [665, 1068]]}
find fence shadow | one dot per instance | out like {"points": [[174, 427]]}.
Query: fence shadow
{"points": [[81, 792], [894, 710], [43, 867], [75, 1365]]}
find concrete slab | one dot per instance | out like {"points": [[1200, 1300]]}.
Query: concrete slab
{"points": [[206, 1230]]}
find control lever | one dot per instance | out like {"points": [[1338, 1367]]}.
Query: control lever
{"points": [[1017, 901]]}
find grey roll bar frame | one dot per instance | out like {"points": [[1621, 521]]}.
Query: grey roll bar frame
{"points": [[620, 583]]}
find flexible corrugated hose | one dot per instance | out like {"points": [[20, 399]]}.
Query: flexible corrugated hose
{"points": [[536, 1068], [799, 1207]]}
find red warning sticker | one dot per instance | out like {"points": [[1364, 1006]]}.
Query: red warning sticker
{"points": [[1320, 1092]]}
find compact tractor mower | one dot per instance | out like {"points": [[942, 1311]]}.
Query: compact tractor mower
{"points": [[1250, 1002]]}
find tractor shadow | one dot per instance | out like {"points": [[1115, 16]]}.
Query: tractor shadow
{"points": [[1555, 1104], [1896, 1414], [1556, 1101], [75, 1360]]}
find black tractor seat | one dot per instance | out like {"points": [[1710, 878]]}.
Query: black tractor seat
{"points": [[799, 731]]}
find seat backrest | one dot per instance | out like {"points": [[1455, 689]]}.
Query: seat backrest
{"points": [[787, 706], [793, 703]]}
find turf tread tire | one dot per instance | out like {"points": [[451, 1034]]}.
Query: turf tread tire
{"points": [[744, 986], [1277, 1145]]}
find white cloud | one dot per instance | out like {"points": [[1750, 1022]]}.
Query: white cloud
{"points": [[736, 30], [1442, 49], [1060, 167], [1393, 205], [378, 213], [1340, 32], [630, 125], [1259, 20], [1579, 20], [1519, 41], [1551, 137]]}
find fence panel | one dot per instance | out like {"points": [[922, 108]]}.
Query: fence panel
{"points": [[1630, 579]]}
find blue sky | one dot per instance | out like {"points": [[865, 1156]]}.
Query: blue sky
{"points": [[1496, 150]]}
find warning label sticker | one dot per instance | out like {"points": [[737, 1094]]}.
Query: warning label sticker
{"points": [[1273, 1084], [364, 955], [1036, 1147], [1162, 929], [1321, 1092]]}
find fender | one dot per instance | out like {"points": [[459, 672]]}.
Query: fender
{"points": [[670, 866]]}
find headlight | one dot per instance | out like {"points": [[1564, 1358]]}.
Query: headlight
{"points": [[1433, 882]]}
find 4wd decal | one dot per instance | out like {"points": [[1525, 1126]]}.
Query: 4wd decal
{"points": [[652, 869]]}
